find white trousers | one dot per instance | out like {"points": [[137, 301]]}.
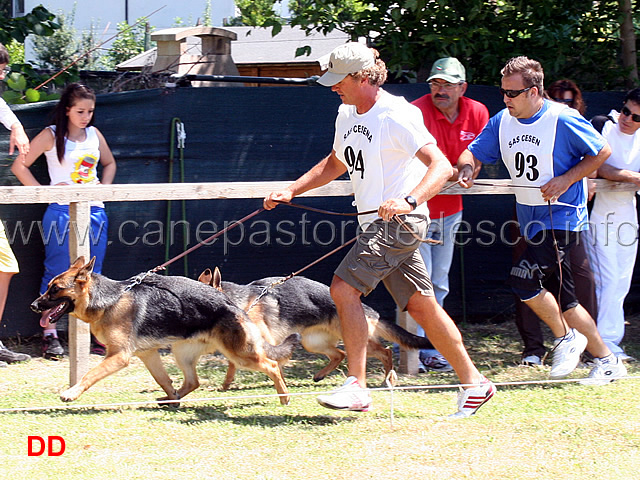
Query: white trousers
{"points": [[612, 252]]}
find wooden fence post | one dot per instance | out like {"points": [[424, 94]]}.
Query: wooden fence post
{"points": [[79, 332], [408, 358]]}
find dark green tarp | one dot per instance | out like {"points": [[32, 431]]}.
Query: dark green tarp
{"points": [[242, 134]]}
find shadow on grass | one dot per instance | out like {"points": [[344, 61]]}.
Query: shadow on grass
{"points": [[205, 413]]}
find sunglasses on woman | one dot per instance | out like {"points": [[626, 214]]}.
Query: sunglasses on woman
{"points": [[627, 113]]}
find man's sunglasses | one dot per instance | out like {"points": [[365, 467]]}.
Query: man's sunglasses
{"points": [[514, 93], [627, 113]]}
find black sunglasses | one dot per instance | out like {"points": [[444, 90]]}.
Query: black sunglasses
{"points": [[627, 113], [514, 93], [563, 100]]}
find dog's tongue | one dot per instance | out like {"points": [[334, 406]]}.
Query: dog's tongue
{"points": [[47, 315]]}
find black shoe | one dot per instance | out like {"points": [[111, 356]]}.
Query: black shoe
{"points": [[51, 348], [8, 356]]}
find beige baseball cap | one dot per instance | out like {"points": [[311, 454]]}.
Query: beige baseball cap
{"points": [[448, 69], [345, 59]]}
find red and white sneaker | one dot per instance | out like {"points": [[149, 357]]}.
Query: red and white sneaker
{"points": [[350, 396], [471, 399]]}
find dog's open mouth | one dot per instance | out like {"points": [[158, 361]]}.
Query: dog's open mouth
{"points": [[56, 312]]}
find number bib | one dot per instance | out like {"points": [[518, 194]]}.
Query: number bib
{"points": [[527, 152]]}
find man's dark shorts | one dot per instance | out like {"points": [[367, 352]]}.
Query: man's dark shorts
{"points": [[537, 268], [386, 251]]}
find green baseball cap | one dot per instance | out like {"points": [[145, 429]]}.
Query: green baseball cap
{"points": [[448, 69]]}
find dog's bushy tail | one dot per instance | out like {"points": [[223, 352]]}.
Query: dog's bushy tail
{"points": [[284, 350], [394, 333]]}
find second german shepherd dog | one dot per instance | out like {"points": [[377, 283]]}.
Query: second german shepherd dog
{"points": [[133, 317], [304, 306]]}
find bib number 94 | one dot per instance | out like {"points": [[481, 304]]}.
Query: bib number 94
{"points": [[355, 162]]}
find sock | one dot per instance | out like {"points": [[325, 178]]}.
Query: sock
{"points": [[568, 336], [611, 358], [51, 331]]}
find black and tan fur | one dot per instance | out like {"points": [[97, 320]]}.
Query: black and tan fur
{"points": [[160, 311], [304, 306]]}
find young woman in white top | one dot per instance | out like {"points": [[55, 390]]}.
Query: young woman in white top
{"points": [[73, 148]]}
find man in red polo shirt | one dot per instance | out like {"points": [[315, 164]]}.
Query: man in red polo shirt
{"points": [[454, 120]]}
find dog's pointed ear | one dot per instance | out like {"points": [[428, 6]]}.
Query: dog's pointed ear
{"points": [[206, 276], [77, 265], [217, 279], [85, 272]]}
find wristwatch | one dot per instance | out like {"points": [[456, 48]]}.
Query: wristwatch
{"points": [[411, 201]]}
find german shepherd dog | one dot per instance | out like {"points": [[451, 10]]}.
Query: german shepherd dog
{"points": [[133, 317], [304, 306]]}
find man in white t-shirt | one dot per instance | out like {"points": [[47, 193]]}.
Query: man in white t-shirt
{"points": [[614, 222], [8, 262], [395, 167]]}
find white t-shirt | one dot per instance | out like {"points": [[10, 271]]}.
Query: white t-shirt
{"points": [[80, 162], [7, 117], [625, 154], [378, 148]]}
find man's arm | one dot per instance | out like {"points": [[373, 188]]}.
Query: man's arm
{"points": [[328, 169], [560, 184], [619, 174], [439, 171], [468, 168]]}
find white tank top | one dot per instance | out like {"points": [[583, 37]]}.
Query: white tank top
{"points": [[528, 159], [80, 162]]}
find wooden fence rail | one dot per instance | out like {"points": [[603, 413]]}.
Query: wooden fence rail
{"points": [[79, 212]]}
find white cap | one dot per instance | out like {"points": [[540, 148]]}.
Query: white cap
{"points": [[345, 59]]}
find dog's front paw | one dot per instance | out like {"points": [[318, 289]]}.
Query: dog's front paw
{"points": [[70, 394], [169, 402]]}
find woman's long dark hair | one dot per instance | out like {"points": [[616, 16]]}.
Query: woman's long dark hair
{"points": [[71, 94]]}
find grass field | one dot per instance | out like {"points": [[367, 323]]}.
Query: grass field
{"points": [[528, 431]]}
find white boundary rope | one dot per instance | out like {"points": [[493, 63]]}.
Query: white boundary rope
{"points": [[390, 388]]}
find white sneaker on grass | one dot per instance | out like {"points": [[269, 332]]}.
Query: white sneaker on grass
{"points": [[605, 371], [531, 361], [350, 396], [566, 354], [471, 399]]}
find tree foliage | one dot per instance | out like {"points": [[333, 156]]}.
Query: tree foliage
{"points": [[39, 21], [258, 13], [23, 77], [579, 40], [129, 43]]}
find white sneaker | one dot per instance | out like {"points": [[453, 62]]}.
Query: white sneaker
{"points": [[566, 354], [604, 373], [471, 399], [350, 396], [531, 361], [624, 357], [434, 360]]}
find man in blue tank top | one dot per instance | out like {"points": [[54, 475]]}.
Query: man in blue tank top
{"points": [[548, 149]]}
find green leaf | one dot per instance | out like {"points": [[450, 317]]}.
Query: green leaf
{"points": [[16, 81], [306, 50], [32, 95], [12, 97]]}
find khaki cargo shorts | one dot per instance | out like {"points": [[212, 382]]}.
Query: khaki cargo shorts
{"points": [[386, 251]]}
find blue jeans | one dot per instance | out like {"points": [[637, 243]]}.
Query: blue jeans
{"points": [[55, 224], [438, 258]]}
